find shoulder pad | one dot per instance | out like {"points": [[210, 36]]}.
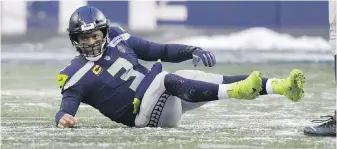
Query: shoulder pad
{"points": [[117, 34], [73, 72], [116, 30]]}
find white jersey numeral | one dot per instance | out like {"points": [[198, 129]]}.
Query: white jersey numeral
{"points": [[122, 63]]}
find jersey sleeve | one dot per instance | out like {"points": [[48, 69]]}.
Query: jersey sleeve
{"points": [[73, 87], [71, 100], [151, 51], [73, 74]]}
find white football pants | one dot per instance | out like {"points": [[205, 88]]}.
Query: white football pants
{"points": [[160, 109]]}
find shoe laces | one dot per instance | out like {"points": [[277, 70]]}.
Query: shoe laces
{"points": [[326, 122]]}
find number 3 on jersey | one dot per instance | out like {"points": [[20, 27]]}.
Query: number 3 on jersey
{"points": [[122, 63]]}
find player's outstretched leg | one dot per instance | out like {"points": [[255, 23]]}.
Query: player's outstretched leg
{"points": [[199, 91], [291, 87], [249, 88], [236, 78]]}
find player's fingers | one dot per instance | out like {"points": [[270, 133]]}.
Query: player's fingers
{"points": [[213, 59], [62, 123], [210, 60], [74, 119], [204, 59], [68, 120], [59, 125]]}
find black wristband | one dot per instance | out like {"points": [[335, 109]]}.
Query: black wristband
{"points": [[188, 51]]}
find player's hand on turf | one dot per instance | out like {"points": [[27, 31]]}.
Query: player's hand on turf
{"points": [[206, 57], [67, 121]]}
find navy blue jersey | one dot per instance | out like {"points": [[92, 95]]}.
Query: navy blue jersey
{"points": [[109, 84]]}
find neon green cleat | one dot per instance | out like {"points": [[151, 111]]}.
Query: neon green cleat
{"points": [[291, 87], [246, 89]]}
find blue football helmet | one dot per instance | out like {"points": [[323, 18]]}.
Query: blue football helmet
{"points": [[84, 20]]}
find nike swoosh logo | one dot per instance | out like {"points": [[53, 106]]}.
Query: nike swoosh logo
{"points": [[61, 79]]}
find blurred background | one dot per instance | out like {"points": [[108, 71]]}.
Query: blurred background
{"points": [[237, 31]]}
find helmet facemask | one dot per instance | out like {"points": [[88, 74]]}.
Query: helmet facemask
{"points": [[95, 50]]}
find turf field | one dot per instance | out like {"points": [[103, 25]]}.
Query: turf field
{"points": [[30, 99]]}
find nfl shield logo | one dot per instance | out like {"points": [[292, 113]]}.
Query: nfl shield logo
{"points": [[107, 57]]}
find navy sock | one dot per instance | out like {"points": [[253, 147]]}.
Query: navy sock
{"points": [[232, 79], [190, 90]]}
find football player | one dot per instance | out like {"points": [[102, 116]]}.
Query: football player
{"points": [[107, 76]]}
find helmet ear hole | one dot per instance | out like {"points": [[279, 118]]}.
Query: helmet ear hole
{"points": [[104, 31], [74, 37]]}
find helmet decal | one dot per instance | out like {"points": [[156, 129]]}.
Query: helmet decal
{"points": [[86, 27]]}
